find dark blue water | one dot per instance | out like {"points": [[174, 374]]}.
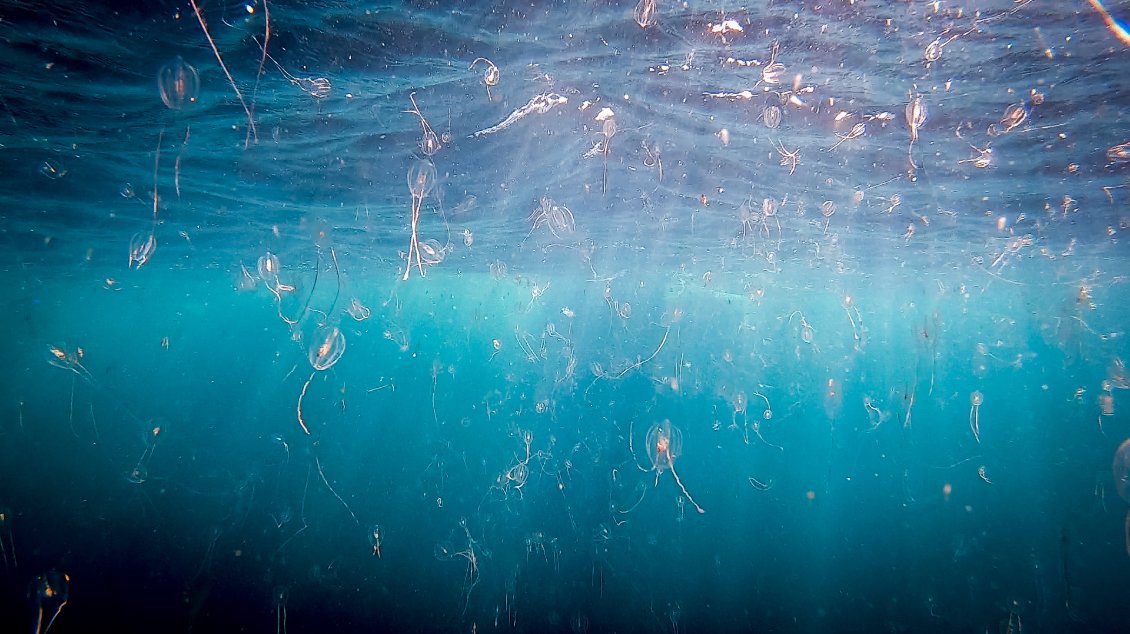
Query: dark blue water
{"points": [[866, 309]]}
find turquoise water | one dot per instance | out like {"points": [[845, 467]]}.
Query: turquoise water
{"points": [[890, 375]]}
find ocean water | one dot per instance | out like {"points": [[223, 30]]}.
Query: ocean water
{"points": [[775, 316]]}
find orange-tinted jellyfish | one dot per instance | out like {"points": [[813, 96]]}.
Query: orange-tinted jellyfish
{"points": [[664, 444]]}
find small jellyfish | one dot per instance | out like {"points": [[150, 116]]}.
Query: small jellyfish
{"points": [[178, 84], [771, 116], [975, 400]]}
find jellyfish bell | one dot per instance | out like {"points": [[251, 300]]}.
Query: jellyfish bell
{"points": [[178, 84], [327, 347], [421, 178]]}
